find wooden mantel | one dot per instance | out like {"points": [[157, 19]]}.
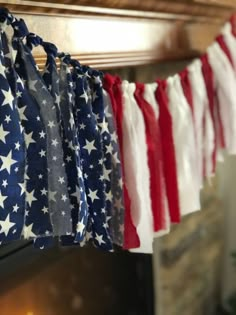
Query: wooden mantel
{"points": [[118, 33], [185, 9]]}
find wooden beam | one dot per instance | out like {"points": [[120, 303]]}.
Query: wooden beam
{"points": [[222, 3], [199, 9]]}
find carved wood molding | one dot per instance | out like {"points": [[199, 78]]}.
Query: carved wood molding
{"points": [[222, 3], [211, 11], [119, 59], [120, 42]]}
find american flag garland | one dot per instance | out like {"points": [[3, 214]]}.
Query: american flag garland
{"points": [[61, 141]]}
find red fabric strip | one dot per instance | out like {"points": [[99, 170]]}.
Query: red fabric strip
{"points": [[233, 24], [153, 151], [220, 128], [112, 84], [220, 40], [168, 150], [185, 82]]}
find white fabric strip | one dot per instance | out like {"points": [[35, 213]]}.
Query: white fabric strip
{"points": [[200, 102], [225, 81], [208, 141], [185, 148], [136, 168], [230, 41]]}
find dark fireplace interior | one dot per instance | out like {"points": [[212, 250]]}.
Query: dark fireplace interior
{"points": [[72, 281]]}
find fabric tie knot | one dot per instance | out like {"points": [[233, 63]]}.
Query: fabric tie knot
{"points": [[20, 28], [33, 40], [65, 57], [50, 49], [5, 19]]}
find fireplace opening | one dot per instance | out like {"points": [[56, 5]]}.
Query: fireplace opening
{"points": [[71, 281]]}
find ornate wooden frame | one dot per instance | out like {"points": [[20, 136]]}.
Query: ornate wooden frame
{"points": [[112, 33]]}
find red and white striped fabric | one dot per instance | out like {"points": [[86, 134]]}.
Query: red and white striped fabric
{"points": [[154, 160], [136, 168], [168, 151], [183, 131], [149, 96], [225, 83], [230, 41], [171, 134]]}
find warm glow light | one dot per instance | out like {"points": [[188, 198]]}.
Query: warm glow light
{"points": [[30, 313]]}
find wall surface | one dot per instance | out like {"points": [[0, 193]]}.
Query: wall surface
{"points": [[190, 261], [227, 175]]}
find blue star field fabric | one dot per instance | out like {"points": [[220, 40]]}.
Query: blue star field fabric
{"points": [[12, 155], [51, 80], [37, 220], [111, 163], [79, 211], [116, 223], [60, 172], [98, 110], [91, 151], [59, 205], [83, 212]]}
